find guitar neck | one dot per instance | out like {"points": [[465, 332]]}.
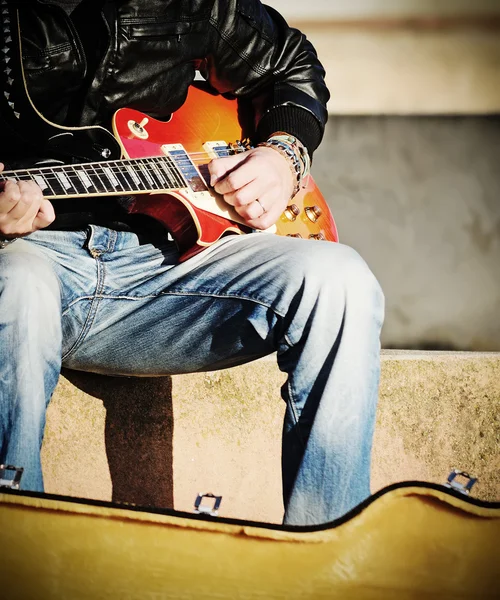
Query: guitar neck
{"points": [[110, 178]]}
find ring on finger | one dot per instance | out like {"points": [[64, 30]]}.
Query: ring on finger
{"points": [[260, 204]]}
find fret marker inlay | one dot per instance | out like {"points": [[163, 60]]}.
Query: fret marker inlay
{"points": [[113, 180], [84, 178], [41, 182], [64, 181]]}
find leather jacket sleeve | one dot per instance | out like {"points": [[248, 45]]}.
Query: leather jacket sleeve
{"points": [[254, 53]]}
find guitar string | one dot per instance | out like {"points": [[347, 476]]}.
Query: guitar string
{"points": [[98, 169], [113, 167], [102, 164], [152, 166], [201, 157]]}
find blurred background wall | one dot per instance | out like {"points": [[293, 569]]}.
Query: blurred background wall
{"points": [[410, 164]]}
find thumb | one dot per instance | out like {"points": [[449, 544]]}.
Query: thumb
{"points": [[45, 215], [220, 167]]}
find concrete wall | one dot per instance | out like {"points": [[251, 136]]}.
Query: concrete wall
{"points": [[418, 197], [348, 9], [409, 70], [412, 187], [409, 57]]}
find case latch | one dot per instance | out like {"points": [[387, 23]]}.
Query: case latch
{"points": [[205, 509], [463, 484], [10, 477]]}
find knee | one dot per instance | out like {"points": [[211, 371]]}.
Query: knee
{"points": [[338, 272], [27, 279], [30, 301], [335, 264], [357, 278], [30, 332]]}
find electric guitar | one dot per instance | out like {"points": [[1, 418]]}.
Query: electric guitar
{"points": [[164, 166]]}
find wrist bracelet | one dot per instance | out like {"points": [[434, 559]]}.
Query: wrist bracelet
{"points": [[287, 152], [292, 149], [303, 153]]}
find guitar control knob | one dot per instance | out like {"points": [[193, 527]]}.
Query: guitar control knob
{"points": [[295, 235], [317, 236], [313, 212], [138, 129], [292, 212]]}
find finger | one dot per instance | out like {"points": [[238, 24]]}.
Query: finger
{"points": [[28, 203], [220, 167], [252, 212], [10, 196], [45, 216], [265, 212], [247, 194], [241, 175]]}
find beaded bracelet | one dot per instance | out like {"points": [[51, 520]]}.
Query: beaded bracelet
{"points": [[287, 152], [298, 147], [295, 152]]}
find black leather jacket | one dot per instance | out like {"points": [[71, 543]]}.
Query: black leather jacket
{"points": [[144, 54]]}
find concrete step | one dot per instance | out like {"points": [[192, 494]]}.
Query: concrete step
{"points": [[114, 438]]}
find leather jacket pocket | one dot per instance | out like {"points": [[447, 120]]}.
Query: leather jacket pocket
{"points": [[53, 62]]}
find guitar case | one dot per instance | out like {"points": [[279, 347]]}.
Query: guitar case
{"points": [[410, 540]]}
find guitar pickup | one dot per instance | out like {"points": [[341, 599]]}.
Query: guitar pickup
{"points": [[193, 179]]}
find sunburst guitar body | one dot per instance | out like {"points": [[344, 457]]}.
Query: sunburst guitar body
{"points": [[207, 127]]}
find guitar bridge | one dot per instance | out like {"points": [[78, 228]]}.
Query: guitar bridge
{"points": [[220, 149]]}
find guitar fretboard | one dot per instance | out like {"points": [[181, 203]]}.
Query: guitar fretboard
{"points": [[104, 178]]}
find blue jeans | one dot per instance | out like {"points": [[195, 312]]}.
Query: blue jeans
{"points": [[101, 301]]}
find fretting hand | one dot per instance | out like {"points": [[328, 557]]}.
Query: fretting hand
{"points": [[23, 209], [258, 183]]}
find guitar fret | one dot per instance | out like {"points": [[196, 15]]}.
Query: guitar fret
{"points": [[165, 171], [158, 177], [41, 181], [76, 182], [135, 178], [97, 181], [63, 180], [171, 174], [145, 173], [112, 177], [108, 185], [54, 183], [84, 179], [158, 173], [123, 177]]}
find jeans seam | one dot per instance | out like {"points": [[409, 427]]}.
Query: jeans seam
{"points": [[95, 301], [112, 241], [101, 296]]}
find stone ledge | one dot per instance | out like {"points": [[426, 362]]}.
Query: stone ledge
{"points": [[114, 438]]}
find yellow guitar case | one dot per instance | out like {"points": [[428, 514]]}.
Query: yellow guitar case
{"points": [[410, 540]]}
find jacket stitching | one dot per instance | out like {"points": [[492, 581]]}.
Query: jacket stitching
{"points": [[243, 55]]}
